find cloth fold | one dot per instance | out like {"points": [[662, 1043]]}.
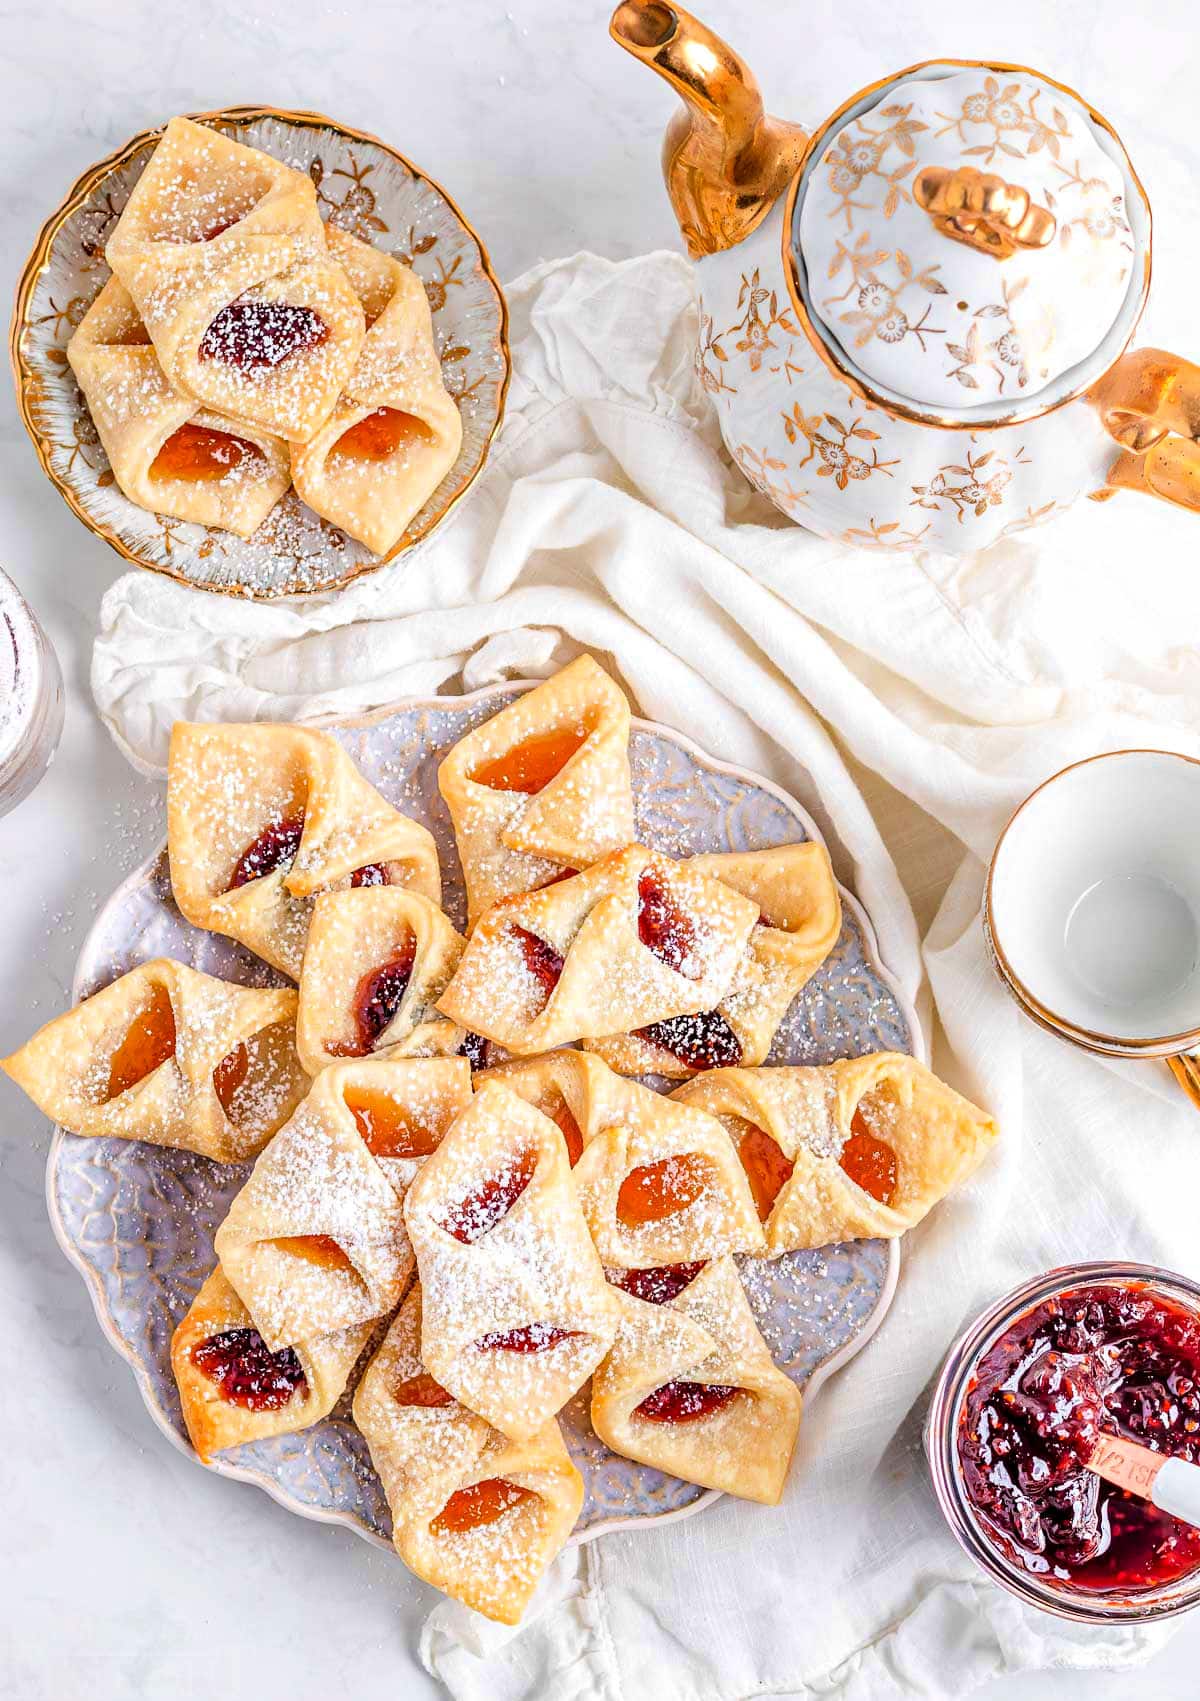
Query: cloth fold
{"points": [[907, 701]]}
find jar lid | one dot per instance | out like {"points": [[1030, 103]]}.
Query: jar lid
{"points": [[965, 236]]}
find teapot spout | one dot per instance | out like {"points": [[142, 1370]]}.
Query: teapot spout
{"points": [[725, 161]]}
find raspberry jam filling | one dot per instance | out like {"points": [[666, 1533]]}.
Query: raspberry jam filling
{"points": [[482, 1503], [381, 434], [470, 1217], [321, 1250], [869, 1161], [422, 1390], [377, 997], [530, 766], [149, 1042], [229, 1075], [196, 455], [1115, 1359], [542, 961], [654, 1191], [767, 1169], [531, 1338], [664, 928], [247, 1374], [387, 1128], [685, 1402], [660, 1284], [705, 1041], [275, 847], [475, 1049], [256, 336], [373, 874]]}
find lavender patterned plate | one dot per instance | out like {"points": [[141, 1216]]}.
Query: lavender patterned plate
{"points": [[138, 1220]]}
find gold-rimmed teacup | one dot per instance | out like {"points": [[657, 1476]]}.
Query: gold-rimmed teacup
{"points": [[1092, 907]]}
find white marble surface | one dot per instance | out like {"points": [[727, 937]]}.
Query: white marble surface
{"points": [[125, 1571]]}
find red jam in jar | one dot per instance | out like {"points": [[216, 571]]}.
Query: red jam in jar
{"points": [[1101, 1359]]}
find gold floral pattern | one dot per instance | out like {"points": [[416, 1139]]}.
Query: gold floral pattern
{"points": [[762, 468], [980, 485], [877, 312], [1004, 356], [858, 154], [889, 535], [755, 326], [356, 211], [1013, 117], [837, 446], [710, 358]]}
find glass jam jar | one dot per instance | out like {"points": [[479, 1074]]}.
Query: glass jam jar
{"points": [[31, 698], [1013, 1404]]}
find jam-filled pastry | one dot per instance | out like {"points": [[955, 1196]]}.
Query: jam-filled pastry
{"points": [[632, 940], [860, 1148], [395, 432], [169, 453], [800, 918], [172, 1056], [402, 1107], [517, 1313], [542, 788], [223, 251], [260, 818], [656, 1186], [233, 1389], [475, 1514], [315, 1240], [689, 1388], [376, 961]]}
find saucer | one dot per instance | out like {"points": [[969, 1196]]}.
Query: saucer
{"points": [[1092, 906]]}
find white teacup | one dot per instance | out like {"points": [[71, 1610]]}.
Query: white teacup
{"points": [[1092, 908]]}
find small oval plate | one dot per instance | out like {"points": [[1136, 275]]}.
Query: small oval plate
{"points": [[138, 1220], [365, 187]]}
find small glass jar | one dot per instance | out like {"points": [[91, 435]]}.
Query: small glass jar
{"points": [[31, 698], [942, 1446]]}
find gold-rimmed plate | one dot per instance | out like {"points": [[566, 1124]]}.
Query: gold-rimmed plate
{"points": [[365, 187]]}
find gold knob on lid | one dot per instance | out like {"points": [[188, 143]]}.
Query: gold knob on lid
{"points": [[981, 210]]}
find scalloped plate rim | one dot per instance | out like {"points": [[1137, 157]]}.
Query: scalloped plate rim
{"points": [[144, 871]]}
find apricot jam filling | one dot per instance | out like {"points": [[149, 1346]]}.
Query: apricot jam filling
{"points": [[149, 1041], [230, 1074], [256, 336], [684, 1402], [422, 1390], [319, 1249], [659, 1284], [387, 1128], [654, 1191], [767, 1169], [377, 997], [197, 455], [664, 928], [246, 1373], [869, 1161], [470, 1217], [530, 766], [482, 1503], [275, 847], [570, 1131], [705, 1041], [381, 434]]}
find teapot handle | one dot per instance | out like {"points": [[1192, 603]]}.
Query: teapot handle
{"points": [[1150, 403]]}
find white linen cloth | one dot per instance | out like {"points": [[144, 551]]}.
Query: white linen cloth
{"points": [[910, 702]]}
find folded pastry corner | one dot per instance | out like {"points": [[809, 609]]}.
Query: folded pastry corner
{"points": [[690, 1388], [396, 431], [169, 454], [172, 1056], [543, 787], [632, 940], [656, 1187], [516, 1310], [799, 921], [262, 817], [232, 1389], [223, 251], [376, 961], [861, 1148], [315, 1240], [475, 1514]]}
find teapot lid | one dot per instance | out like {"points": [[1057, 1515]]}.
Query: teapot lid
{"points": [[964, 238]]}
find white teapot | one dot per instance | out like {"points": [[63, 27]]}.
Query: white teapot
{"points": [[915, 321]]}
